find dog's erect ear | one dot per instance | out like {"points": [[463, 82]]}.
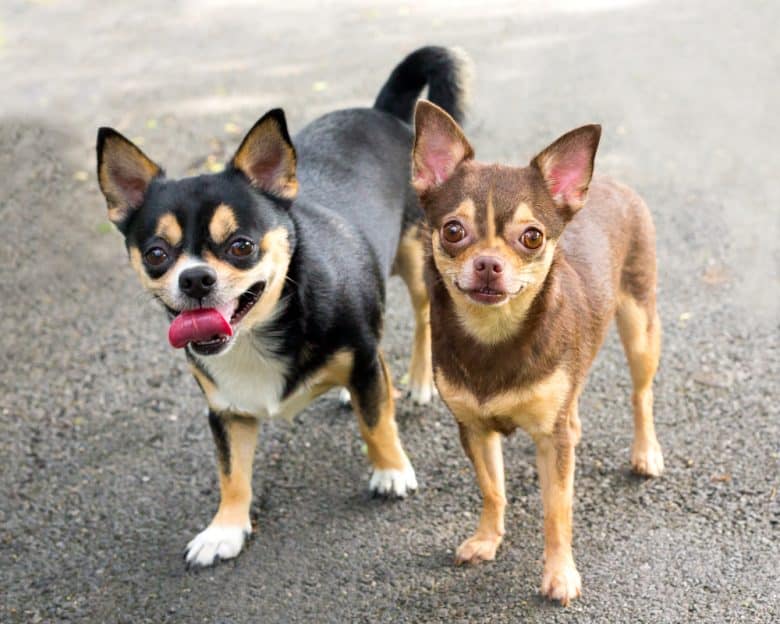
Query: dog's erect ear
{"points": [[439, 147], [567, 166], [267, 156], [124, 174]]}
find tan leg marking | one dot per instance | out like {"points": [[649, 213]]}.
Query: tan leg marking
{"points": [[641, 337], [555, 463], [375, 406], [409, 265], [224, 537], [384, 446], [484, 450], [235, 489]]}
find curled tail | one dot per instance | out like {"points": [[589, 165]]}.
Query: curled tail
{"points": [[446, 71]]}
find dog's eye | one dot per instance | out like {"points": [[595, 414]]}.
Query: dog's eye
{"points": [[241, 247], [155, 256], [453, 232], [532, 238]]}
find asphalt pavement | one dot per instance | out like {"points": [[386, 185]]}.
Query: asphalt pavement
{"points": [[107, 466]]}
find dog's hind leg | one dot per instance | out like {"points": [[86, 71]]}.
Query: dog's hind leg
{"points": [[640, 332], [409, 264], [372, 398], [235, 438]]}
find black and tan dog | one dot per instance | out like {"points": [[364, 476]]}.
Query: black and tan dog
{"points": [[273, 273], [524, 283]]}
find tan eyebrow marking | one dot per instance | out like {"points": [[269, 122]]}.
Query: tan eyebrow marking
{"points": [[523, 213], [490, 219], [168, 228], [465, 210], [223, 223]]}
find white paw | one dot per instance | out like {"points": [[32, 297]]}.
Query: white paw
{"points": [[216, 542], [345, 398], [422, 394], [393, 482]]}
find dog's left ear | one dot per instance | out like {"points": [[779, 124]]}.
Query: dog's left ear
{"points": [[439, 147], [567, 166], [124, 175], [267, 156]]}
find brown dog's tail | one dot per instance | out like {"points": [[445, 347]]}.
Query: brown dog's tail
{"points": [[446, 71]]}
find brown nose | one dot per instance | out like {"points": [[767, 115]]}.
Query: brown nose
{"points": [[487, 266]]}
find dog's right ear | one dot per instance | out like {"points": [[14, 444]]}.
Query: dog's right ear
{"points": [[124, 175], [267, 156], [567, 167], [439, 147]]}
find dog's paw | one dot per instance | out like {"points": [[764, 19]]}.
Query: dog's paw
{"points": [[214, 543], [647, 459], [477, 548], [393, 482], [345, 398], [561, 581], [422, 393]]}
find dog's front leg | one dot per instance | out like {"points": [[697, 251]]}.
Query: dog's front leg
{"points": [[483, 448], [235, 438], [555, 463]]}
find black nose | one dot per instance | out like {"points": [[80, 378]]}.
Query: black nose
{"points": [[197, 282], [487, 265]]}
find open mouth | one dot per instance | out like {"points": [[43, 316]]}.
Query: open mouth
{"points": [[487, 295], [208, 330], [246, 302], [484, 294]]}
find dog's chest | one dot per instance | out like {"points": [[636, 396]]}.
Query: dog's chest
{"points": [[248, 379], [533, 408]]}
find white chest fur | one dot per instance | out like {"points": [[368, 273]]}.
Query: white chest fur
{"points": [[249, 378]]}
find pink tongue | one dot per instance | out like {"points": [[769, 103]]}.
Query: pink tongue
{"points": [[197, 326]]}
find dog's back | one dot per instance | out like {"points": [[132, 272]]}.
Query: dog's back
{"points": [[355, 162], [611, 247]]}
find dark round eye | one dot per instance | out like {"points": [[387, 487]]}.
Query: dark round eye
{"points": [[241, 247], [532, 238], [156, 256], [453, 232]]}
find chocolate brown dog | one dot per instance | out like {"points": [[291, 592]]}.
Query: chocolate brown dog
{"points": [[524, 284]]}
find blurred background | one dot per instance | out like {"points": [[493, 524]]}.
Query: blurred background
{"points": [[107, 461]]}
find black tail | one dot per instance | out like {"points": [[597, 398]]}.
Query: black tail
{"points": [[446, 71]]}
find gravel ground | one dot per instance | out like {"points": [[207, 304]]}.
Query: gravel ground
{"points": [[107, 462]]}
